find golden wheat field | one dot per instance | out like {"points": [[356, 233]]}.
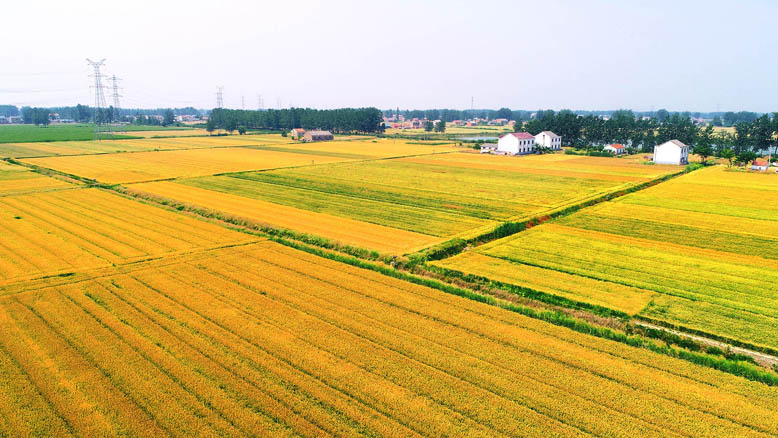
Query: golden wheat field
{"points": [[262, 339], [16, 180], [345, 231], [151, 166], [55, 233], [699, 251], [409, 202]]}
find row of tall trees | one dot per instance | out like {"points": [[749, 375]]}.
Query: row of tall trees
{"points": [[643, 134], [358, 120], [36, 116]]}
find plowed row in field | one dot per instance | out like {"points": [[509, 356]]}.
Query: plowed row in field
{"points": [[265, 340], [64, 231]]}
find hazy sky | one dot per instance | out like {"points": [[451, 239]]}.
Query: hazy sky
{"points": [[680, 55]]}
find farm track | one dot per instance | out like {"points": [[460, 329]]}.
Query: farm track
{"points": [[766, 360]]}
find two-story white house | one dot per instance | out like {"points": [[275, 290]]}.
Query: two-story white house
{"points": [[549, 140], [516, 143], [671, 152]]}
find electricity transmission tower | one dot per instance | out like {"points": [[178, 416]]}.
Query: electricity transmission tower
{"points": [[219, 97], [116, 108], [242, 102], [260, 103], [100, 106]]}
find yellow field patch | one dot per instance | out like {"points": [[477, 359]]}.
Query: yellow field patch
{"points": [[342, 230], [64, 231], [19, 179], [150, 166], [627, 299]]}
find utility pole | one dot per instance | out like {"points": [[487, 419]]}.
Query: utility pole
{"points": [[219, 97], [99, 98], [116, 108]]}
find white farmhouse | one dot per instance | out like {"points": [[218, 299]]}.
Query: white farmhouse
{"points": [[548, 139], [615, 149], [671, 152], [516, 143]]}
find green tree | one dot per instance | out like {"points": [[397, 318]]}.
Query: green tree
{"points": [[168, 118], [428, 125], [210, 126], [745, 157], [441, 126], [242, 130], [703, 145], [231, 125], [504, 113], [729, 155]]}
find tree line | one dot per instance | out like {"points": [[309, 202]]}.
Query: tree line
{"points": [[757, 136], [356, 120]]}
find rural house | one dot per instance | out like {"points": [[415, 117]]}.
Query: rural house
{"points": [[548, 139], [615, 148], [318, 136], [671, 152], [297, 133], [760, 165], [516, 143]]}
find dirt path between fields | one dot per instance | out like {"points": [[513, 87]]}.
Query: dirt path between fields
{"points": [[763, 359]]}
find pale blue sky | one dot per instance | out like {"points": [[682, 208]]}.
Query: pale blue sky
{"points": [[680, 55]]}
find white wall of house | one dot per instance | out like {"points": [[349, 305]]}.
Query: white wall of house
{"points": [[511, 144], [553, 142], [671, 152]]}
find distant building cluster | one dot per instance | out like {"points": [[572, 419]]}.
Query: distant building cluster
{"points": [[399, 122], [11, 120]]}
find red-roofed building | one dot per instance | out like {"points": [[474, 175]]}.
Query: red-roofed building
{"points": [[516, 143], [760, 165], [615, 148]]}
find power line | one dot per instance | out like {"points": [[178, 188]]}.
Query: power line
{"points": [[99, 98], [116, 107], [219, 97]]}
